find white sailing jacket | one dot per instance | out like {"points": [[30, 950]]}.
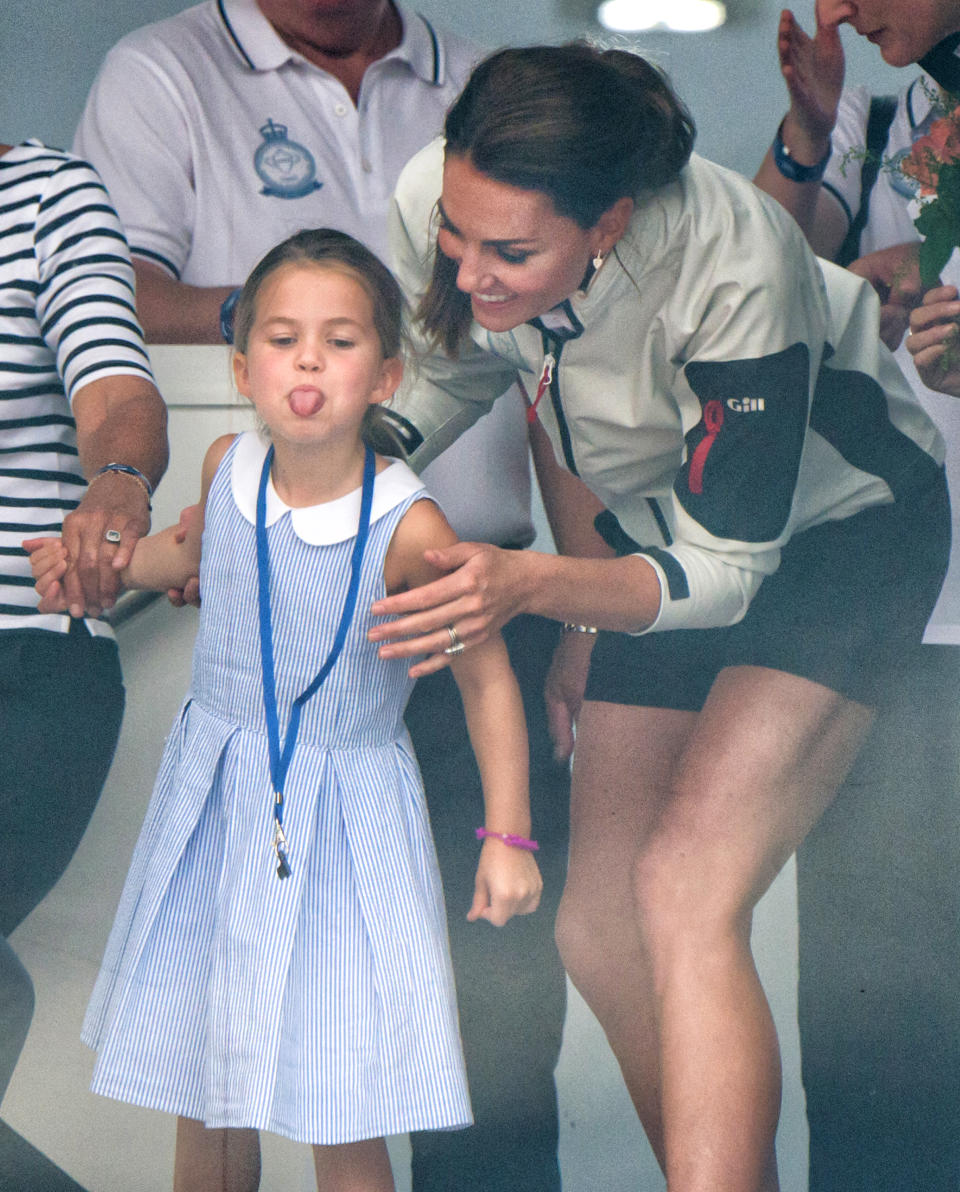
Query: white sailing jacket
{"points": [[718, 387]]}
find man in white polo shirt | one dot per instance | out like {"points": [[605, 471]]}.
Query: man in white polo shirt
{"points": [[219, 132]]}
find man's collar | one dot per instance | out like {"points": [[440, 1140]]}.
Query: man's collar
{"points": [[421, 48], [252, 35], [262, 48], [921, 96]]}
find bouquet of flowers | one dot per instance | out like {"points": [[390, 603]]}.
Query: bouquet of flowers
{"points": [[933, 164]]}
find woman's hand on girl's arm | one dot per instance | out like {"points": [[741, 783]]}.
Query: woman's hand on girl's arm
{"points": [[934, 342], [484, 588], [488, 586], [493, 585]]}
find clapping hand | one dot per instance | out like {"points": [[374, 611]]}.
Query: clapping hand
{"points": [[812, 68]]}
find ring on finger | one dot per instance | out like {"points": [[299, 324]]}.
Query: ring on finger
{"points": [[456, 645], [112, 536]]}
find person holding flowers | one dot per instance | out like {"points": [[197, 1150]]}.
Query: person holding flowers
{"points": [[934, 167], [872, 182]]}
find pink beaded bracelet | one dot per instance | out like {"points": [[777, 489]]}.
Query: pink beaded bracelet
{"points": [[513, 841]]}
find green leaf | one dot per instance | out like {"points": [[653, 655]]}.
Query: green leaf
{"points": [[948, 190], [934, 253], [933, 220]]}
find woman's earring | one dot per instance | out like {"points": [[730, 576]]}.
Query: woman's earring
{"points": [[598, 260]]}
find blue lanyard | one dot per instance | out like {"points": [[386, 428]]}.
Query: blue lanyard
{"points": [[280, 756]]}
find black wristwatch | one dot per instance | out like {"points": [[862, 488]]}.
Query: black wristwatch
{"points": [[226, 315], [792, 169]]}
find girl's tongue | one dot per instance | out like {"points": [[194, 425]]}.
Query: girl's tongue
{"points": [[305, 402]]}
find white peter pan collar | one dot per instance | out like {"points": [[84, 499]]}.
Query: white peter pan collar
{"points": [[317, 525]]}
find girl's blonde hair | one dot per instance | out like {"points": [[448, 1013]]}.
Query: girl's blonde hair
{"points": [[336, 250]]}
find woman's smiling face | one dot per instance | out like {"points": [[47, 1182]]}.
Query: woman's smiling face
{"points": [[516, 256]]}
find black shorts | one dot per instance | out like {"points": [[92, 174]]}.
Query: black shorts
{"points": [[847, 600]]}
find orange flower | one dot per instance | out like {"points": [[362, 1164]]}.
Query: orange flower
{"points": [[929, 153]]}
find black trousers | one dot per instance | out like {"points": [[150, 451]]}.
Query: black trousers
{"points": [[61, 704], [511, 988], [879, 914]]}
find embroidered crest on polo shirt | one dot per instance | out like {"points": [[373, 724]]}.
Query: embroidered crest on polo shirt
{"points": [[286, 167]]}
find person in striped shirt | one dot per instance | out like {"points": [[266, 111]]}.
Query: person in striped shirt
{"points": [[82, 443]]}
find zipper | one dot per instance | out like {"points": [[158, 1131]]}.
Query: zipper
{"points": [[546, 376], [550, 380]]}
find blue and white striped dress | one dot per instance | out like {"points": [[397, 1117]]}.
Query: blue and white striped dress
{"points": [[320, 1007]]}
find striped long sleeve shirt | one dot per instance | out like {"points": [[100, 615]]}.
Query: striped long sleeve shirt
{"points": [[67, 318]]}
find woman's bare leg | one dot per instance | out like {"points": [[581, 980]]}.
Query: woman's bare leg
{"points": [[215, 1160], [622, 775], [679, 824], [764, 760], [353, 1167]]}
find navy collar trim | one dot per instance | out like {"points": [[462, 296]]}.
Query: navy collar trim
{"points": [[436, 49], [943, 65], [560, 323], [435, 72], [231, 33]]}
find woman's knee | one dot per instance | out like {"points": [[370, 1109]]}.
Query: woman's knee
{"points": [[588, 934], [567, 931], [688, 896]]}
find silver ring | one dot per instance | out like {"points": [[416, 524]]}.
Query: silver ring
{"points": [[456, 645], [112, 536]]}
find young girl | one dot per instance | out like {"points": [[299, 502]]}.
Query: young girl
{"points": [[279, 956]]}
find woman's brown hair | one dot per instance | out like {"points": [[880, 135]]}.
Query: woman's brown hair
{"points": [[581, 125]]}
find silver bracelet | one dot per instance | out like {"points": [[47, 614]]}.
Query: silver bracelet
{"points": [[569, 627]]}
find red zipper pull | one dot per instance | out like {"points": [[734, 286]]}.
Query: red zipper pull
{"points": [[549, 363], [713, 421]]}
